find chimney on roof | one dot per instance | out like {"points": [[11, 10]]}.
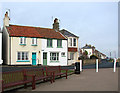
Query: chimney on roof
{"points": [[56, 24], [6, 19]]}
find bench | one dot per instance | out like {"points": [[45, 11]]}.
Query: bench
{"points": [[57, 71], [15, 78], [40, 74]]}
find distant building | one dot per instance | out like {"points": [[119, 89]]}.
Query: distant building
{"points": [[92, 51]]}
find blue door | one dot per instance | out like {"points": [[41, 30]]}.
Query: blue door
{"points": [[33, 58]]}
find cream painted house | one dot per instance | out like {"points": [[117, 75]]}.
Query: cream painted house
{"points": [[72, 46], [26, 45]]}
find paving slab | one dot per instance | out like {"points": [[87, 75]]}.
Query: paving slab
{"points": [[88, 80]]}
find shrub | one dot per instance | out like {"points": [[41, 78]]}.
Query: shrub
{"points": [[93, 57]]}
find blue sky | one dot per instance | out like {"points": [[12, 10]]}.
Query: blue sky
{"points": [[95, 23]]}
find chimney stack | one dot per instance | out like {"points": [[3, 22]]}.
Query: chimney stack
{"points": [[56, 25], [6, 19]]}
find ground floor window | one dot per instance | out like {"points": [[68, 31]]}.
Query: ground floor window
{"points": [[22, 55], [71, 56], [54, 56]]}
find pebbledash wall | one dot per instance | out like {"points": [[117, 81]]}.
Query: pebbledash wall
{"points": [[62, 59]]}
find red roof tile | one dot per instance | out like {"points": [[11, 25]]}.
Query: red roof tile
{"points": [[27, 31]]}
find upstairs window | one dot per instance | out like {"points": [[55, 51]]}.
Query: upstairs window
{"points": [[70, 41], [34, 41], [22, 40], [74, 43], [59, 43], [49, 42]]}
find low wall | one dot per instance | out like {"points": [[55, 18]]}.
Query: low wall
{"points": [[90, 61]]}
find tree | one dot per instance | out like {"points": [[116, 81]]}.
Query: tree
{"points": [[93, 57], [85, 54]]}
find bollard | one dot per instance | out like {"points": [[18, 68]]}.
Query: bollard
{"points": [[96, 65], [114, 69], [80, 65]]}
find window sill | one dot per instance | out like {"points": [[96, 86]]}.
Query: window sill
{"points": [[59, 47], [23, 61], [23, 44], [54, 61], [34, 45], [49, 47]]}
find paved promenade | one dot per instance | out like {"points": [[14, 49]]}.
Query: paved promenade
{"points": [[88, 80]]}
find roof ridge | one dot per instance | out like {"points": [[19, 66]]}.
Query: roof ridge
{"points": [[31, 26]]}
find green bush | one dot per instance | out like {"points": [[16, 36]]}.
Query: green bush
{"points": [[93, 57]]}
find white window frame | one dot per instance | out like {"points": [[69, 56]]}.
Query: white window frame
{"points": [[22, 40], [23, 56], [56, 56], [34, 41]]}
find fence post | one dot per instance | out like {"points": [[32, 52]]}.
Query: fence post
{"points": [[114, 69], [96, 65], [80, 65]]}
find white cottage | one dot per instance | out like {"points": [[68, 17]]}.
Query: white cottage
{"points": [[26, 45]]}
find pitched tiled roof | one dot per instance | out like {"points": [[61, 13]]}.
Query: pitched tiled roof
{"points": [[28, 31], [67, 33]]}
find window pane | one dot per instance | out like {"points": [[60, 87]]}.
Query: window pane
{"points": [[72, 56], [20, 40], [18, 55], [24, 40], [26, 56], [50, 43], [57, 42], [22, 55], [32, 40], [47, 42], [74, 42], [70, 41]]}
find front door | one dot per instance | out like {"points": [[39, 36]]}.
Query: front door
{"points": [[44, 58], [33, 58]]}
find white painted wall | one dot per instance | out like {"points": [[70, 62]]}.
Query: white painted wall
{"points": [[62, 60], [89, 52], [1, 61]]}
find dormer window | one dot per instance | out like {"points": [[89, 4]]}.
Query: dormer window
{"points": [[22, 41], [34, 41]]}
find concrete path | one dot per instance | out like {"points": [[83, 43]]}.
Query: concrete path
{"points": [[88, 80]]}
